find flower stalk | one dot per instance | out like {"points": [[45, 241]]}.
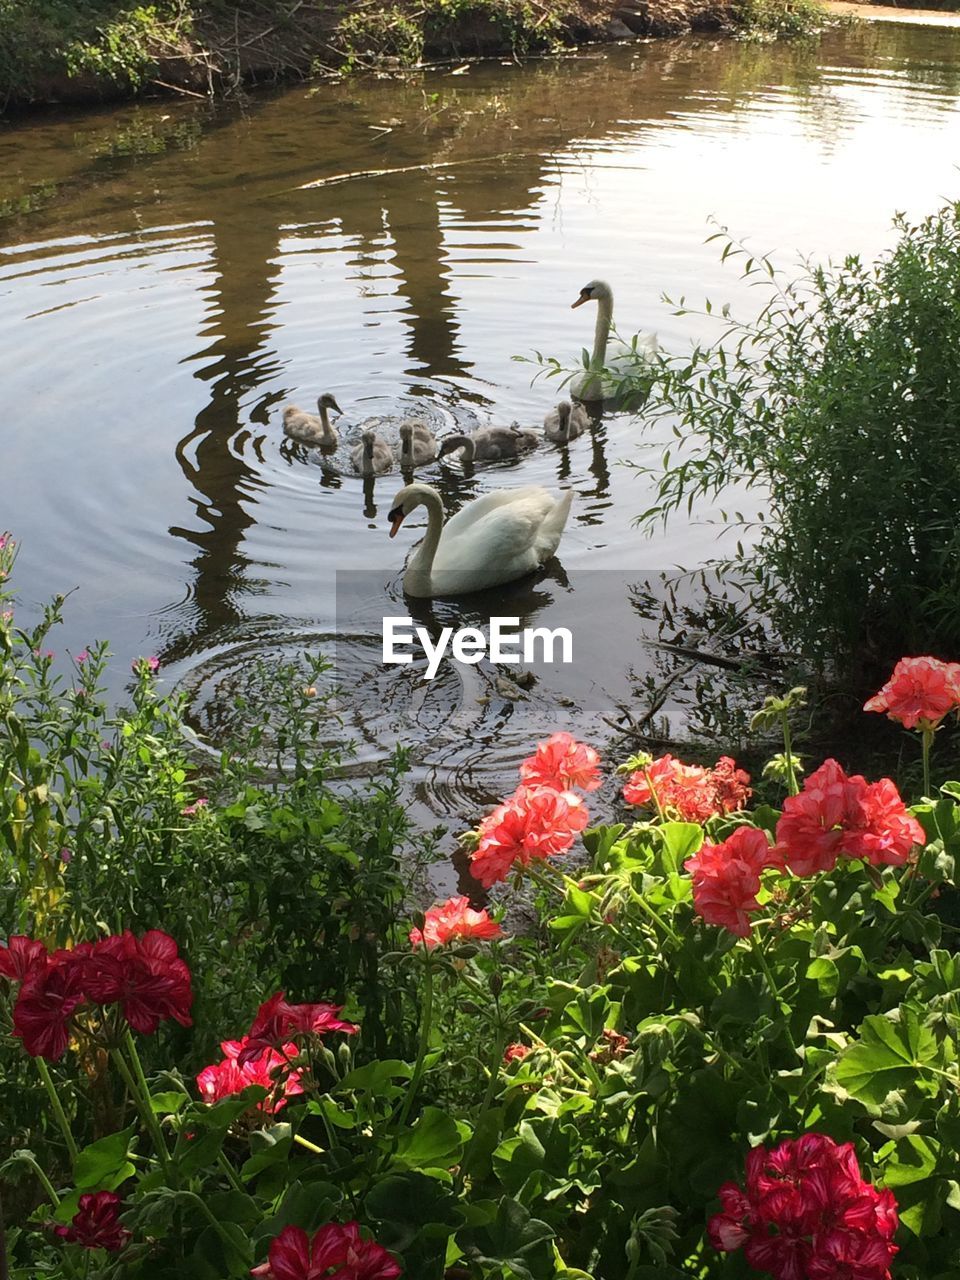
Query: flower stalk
{"points": [[426, 1020], [58, 1111]]}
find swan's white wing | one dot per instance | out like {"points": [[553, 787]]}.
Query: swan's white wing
{"points": [[510, 537], [487, 502]]}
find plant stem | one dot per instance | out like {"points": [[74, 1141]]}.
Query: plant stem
{"points": [[426, 1018], [4, 1269], [774, 991], [927, 744], [43, 1180], [653, 794], [646, 908], [58, 1110], [792, 786], [310, 1146], [141, 1100]]}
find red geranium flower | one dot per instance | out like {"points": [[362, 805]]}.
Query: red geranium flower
{"points": [[515, 1052], [454, 919], [807, 1214], [145, 976], [920, 692], [96, 1224], [726, 878], [270, 1070], [536, 822], [562, 762], [335, 1251], [19, 956], [689, 791], [277, 1021], [880, 830], [50, 992]]}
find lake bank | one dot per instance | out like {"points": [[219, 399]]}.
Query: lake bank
{"points": [[54, 55]]}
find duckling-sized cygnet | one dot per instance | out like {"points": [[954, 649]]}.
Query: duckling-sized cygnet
{"points": [[565, 422], [372, 456], [310, 429], [490, 444], [417, 444]]}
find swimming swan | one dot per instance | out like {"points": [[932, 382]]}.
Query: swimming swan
{"points": [[490, 444], [417, 444], [498, 537], [373, 456], [621, 358], [308, 428], [565, 422]]}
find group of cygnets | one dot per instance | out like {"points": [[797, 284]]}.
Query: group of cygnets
{"points": [[418, 446]]}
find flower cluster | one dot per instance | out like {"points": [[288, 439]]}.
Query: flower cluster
{"points": [[339, 1252], [543, 817], [807, 1214], [452, 921], [278, 1022], [920, 693], [726, 878], [690, 792], [96, 1224], [144, 976], [271, 1070], [836, 815]]}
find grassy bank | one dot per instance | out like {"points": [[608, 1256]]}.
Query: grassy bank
{"points": [[60, 51]]}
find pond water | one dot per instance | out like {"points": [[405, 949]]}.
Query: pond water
{"points": [[168, 282]]}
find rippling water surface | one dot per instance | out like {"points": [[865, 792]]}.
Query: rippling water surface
{"points": [[167, 283]]}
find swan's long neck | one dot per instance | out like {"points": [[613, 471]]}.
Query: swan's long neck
{"points": [[464, 443], [602, 331], [421, 566], [323, 418]]}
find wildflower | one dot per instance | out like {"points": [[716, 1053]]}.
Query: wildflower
{"points": [[19, 956], [920, 692], [838, 815], [562, 762], [150, 665], [310, 691], [726, 878], [452, 920], [516, 1052], [96, 1224], [293, 1255], [690, 791], [191, 810], [807, 1214], [81, 657], [145, 976], [270, 1070], [536, 822], [50, 992], [66, 855], [277, 1021]]}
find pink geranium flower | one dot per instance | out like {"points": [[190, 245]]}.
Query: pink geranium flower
{"points": [[454, 920], [561, 762], [726, 878], [339, 1252], [536, 822], [278, 1021], [96, 1224], [920, 692], [690, 792], [269, 1069]]}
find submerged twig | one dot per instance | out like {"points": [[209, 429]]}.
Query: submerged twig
{"points": [[408, 168]]}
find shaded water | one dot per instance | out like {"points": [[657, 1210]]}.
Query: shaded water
{"points": [[167, 285]]}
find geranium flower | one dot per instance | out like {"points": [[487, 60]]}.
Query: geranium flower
{"points": [[806, 1213], [838, 815], [726, 878], [145, 976], [50, 992], [689, 791], [335, 1251], [19, 956], [562, 762], [452, 920], [536, 822], [277, 1021], [270, 1070], [920, 692], [515, 1052], [96, 1224]]}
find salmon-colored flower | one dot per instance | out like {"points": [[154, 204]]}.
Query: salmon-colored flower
{"points": [[516, 1052], [690, 792], [561, 762], [726, 878], [454, 920], [536, 822], [920, 692], [339, 1252], [96, 1224], [277, 1021], [270, 1070]]}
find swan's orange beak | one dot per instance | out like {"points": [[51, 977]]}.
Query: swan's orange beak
{"points": [[396, 518]]}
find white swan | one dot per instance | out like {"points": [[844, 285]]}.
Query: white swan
{"points": [[565, 422], [496, 538], [418, 444], [490, 444], [372, 456], [308, 428], [621, 358]]}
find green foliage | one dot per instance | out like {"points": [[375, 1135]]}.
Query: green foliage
{"points": [[839, 408], [778, 19]]}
